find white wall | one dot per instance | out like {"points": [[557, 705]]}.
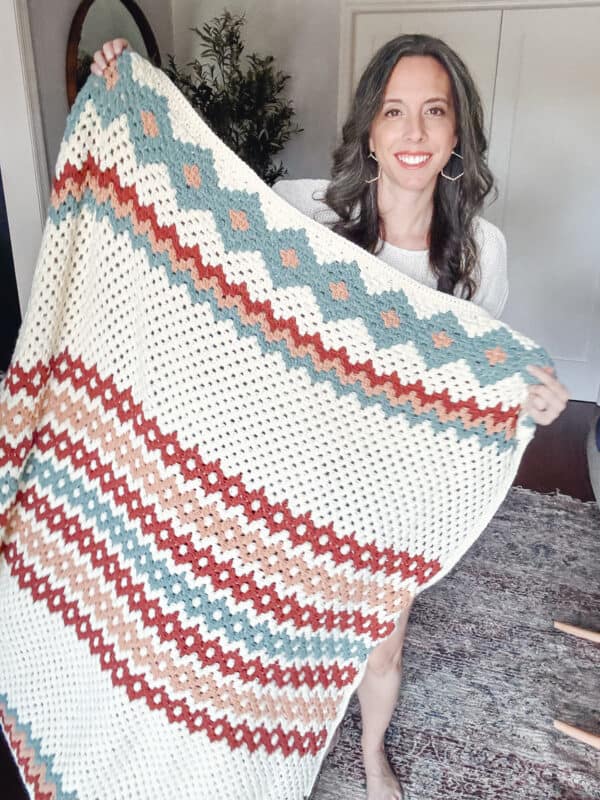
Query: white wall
{"points": [[304, 39], [22, 152], [50, 21]]}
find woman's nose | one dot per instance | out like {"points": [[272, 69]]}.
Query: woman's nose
{"points": [[415, 129]]}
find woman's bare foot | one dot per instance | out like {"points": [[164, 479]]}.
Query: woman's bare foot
{"points": [[382, 784]]}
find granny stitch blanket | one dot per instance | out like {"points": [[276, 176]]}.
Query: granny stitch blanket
{"points": [[232, 446]]}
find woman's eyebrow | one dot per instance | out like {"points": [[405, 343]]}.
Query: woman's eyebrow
{"points": [[430, 100]]}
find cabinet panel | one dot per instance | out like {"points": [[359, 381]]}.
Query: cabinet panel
{"points": [[545, 154]]}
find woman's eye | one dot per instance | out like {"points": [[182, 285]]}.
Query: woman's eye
{"points": [[392, 112], [436, 111]]}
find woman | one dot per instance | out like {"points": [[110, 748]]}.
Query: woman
{"points": [[408, 181]]}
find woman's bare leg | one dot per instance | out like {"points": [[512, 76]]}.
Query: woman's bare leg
{"points": [[378, 695]]}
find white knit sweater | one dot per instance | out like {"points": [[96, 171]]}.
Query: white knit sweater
{"points": [[306, 193]]}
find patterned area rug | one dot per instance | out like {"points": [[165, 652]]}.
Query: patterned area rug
{"points": [[485, 672]]}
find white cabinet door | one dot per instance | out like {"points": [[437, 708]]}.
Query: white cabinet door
{"points": [[474, 34], [545, 152]]}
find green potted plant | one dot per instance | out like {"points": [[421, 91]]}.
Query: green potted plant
{"points": [[241, 101]]}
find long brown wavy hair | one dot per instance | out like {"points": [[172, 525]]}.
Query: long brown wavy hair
{"points": [[453, 253]]}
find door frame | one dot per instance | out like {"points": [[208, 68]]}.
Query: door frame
{"points": [[23, 159]]}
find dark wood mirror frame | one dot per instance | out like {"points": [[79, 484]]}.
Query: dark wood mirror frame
{"points": [[75, 35]]}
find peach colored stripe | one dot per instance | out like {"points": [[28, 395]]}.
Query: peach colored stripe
{"points": [[294, 571], [140, 650], [20, 413], [103, 194]]}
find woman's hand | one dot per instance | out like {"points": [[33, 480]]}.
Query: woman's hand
{"points": [[546, 399], [110, 50]]}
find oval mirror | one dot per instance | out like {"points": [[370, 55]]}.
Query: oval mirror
{"points": [[97, 21]]}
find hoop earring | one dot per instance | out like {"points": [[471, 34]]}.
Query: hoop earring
{"points": [[376, 178], [456, 177]]}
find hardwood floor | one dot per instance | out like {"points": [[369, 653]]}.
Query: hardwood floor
{"points": [[555, 459]]}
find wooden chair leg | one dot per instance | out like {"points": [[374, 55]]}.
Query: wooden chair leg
{"points": [[577, 733], [569, 730], [591, 636]]}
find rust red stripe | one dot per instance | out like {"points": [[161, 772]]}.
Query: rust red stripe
{"points": [[300, 529], [177, 710], [187, 639], [294, 572], [200, 561], [201, 686]]}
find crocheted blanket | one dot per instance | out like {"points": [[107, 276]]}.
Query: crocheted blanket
{"points": [[232, 446]]}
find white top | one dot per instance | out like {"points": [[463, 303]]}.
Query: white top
{"points": [[306, 195]]}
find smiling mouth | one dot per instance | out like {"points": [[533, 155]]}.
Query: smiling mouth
{"points": [[413, 160]]}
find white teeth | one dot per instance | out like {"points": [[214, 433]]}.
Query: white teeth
{"points": [[413, 159]]}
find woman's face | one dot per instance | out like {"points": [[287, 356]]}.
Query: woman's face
{"points": [[414, 131]]}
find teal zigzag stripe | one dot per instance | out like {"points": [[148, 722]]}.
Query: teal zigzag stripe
{"points": [[130, 98], [51, 776], [161, 260]]}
